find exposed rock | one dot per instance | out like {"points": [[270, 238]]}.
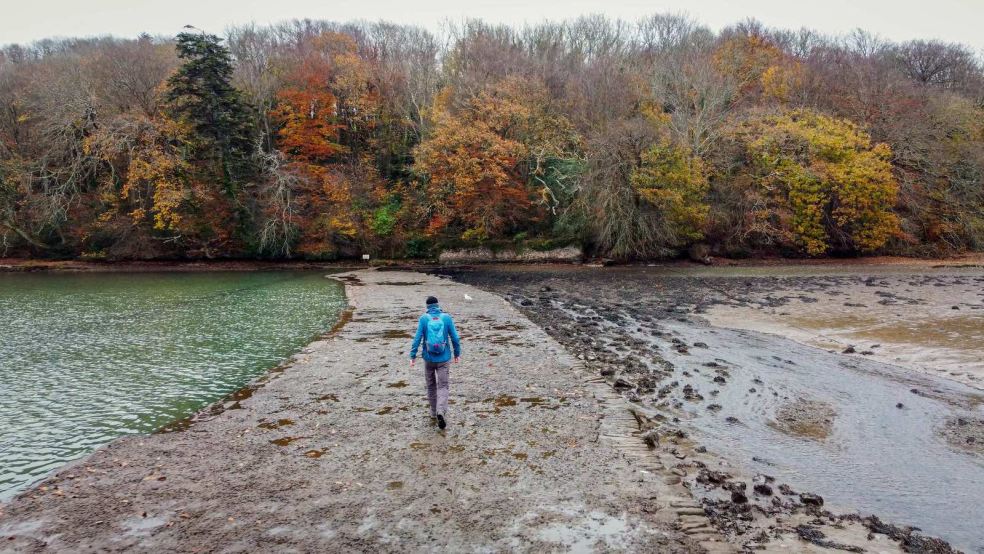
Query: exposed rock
{"points": [[621, 383], [810, 499], [814, 535], [651, 438], [910, 540], [570, 254]]}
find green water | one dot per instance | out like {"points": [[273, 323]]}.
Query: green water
{"points": [[86, 358]]}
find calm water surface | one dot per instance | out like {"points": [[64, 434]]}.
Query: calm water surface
{"points": [[86, 358]]}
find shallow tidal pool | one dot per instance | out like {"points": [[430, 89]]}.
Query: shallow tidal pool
{"points": [[87, 358]]}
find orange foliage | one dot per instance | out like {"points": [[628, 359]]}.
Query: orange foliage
{"points": [[323, 110], [307, 111], [756, 66], [473, 163]]}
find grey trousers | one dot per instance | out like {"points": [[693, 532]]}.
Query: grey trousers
{"points": [[437, 386]]}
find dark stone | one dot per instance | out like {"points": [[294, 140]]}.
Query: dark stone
{"points": [[813, 535], [763, 489], [623, 384], [900, 405], [710, 477], [909, 539], [738, 497], [810, 499], [848, 350]]}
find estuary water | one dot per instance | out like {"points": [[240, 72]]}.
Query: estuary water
{"points": [[87, 358]]}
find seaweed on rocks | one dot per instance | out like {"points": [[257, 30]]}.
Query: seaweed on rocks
{"points": [[909, 538], [814, 535]]}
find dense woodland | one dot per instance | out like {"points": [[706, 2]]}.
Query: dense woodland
{"points": [[643, 139]]}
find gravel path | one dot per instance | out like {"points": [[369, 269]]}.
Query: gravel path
{"points": [[336, 453]]}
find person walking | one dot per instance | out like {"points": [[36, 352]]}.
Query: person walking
{"points": [[436, 329]]}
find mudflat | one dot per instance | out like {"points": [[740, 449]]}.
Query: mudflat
{"points": [[774, 436], [928, 319], [337, 453]]}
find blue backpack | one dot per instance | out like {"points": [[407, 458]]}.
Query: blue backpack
{"points": [[435, 336]]}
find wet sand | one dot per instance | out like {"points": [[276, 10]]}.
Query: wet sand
{"points": [[765, 429], [336, 453], [928, 320]]}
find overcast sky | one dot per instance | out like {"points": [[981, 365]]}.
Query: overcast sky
{"points": [[29, 20]]}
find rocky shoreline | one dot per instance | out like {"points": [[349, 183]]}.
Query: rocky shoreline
{"points": [[570, 255], [616, 322]]}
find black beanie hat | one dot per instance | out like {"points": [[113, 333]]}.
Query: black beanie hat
{"points": [[431, 300]]}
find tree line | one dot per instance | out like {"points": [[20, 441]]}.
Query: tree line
{"points": [[643, 139]]}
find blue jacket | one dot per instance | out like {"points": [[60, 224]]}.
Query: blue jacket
{"points": [[449, 332]]}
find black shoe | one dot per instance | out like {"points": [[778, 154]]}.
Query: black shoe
{"points": [[440, 421]]}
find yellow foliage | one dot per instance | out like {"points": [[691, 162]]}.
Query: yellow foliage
{"points": [[835, 186], [780, 81], [746, 59], [165, 174], [674, 184], [154, 172]]}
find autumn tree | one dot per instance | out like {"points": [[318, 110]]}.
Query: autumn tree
{"points": [[672, 185], [472, 172], [495, 164], [324, 114], [823, 183]]}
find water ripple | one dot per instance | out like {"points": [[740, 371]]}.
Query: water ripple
{"points": [[85, 359]]}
